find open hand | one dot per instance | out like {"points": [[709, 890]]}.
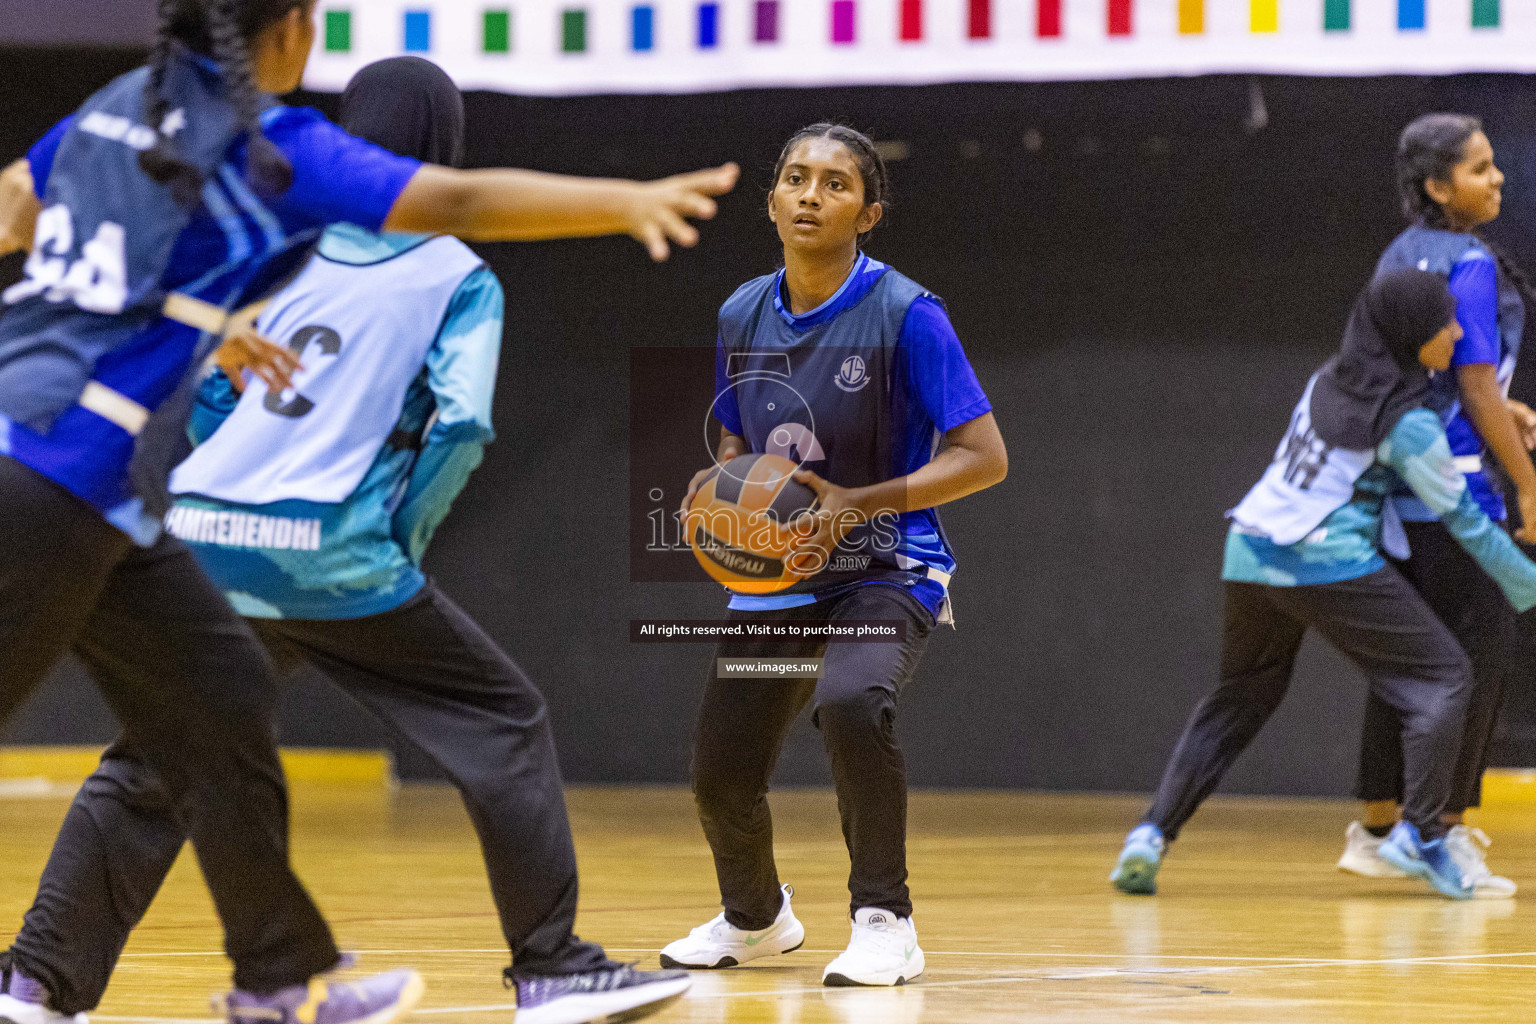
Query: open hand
{"points": [[818, 533], [661, 208], [244, 349], [1525, 421]]}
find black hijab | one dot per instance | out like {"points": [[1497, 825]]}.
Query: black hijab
{"points": [[1376, 378], [409, 106]]}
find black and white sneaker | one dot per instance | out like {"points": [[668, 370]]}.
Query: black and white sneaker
{"points": [[605, 996]]}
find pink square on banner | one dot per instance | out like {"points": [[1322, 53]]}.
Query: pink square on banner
{"points": [[842, 21]]}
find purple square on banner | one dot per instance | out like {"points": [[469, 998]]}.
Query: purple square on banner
{"points": [[842, 21], [767, 21]]}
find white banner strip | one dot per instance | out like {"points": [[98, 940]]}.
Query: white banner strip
{"points": [[595, 46]]}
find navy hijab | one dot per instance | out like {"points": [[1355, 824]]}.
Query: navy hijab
{"points": [[410, 107], [1376, 378]]}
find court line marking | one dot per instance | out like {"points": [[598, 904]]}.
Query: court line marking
{"points": [[1279, 961]]}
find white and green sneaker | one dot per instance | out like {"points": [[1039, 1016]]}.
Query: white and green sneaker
{"points": [[883, 950], [718, 943]]}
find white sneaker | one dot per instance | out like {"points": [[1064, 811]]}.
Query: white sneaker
{"points": [[1362, 855], [882, 951], [20, 1012], [717, 943], [1468, 848]]}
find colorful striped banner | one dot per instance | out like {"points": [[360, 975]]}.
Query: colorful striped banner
{"points": [[778, 44]]}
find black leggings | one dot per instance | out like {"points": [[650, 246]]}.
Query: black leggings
{"points": [[742, 726], [194, 693], [1468, 601], [1409, 658], [430, 674]]}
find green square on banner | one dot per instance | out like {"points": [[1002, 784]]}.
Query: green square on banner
{"points": [[1485, 13], [573, 30], [1335, 15], [498, 31], [338, 31]]}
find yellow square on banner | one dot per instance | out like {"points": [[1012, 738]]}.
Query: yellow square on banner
{"points": [[1191, 17], [1263, 15]]}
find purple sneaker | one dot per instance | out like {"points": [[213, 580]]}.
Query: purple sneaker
{"points": [[381, 999], [24, 1000], [610, 995]]}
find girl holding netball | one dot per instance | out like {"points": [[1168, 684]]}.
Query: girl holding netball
{"points": [[1451, 186], [1303, 552], [148, 212], [894, 423]]}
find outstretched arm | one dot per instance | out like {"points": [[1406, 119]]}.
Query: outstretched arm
{"points": [[524, 206]]}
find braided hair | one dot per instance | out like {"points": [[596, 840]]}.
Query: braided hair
{"points": [[221, 29], [1430, 147], [877, 185]]}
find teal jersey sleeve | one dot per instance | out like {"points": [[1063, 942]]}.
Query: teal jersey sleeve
{"points": [[214, 402], [1417, 449], [461, 371]]}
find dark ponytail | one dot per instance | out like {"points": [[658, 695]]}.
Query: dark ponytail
{"points": [[220, 29], [877, 185], [162, 162], [1430, 147]]}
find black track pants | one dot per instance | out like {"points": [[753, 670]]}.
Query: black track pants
{"points": [[1411, 661]]}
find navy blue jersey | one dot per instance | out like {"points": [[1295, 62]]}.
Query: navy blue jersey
{"points": [[859, 391], [231, 237], [1492, 317]]}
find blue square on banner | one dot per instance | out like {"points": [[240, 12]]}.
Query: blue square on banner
{"points": [[1410, 14], [418, 31], [709, 26], [643, 29]]}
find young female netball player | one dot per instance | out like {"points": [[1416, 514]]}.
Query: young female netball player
{"points": [[1303, 552], [884, 378], [1451, 186], [337, 487], [160, 199]]}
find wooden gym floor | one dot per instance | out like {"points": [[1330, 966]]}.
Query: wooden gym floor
{"points": [[1013, 910]]}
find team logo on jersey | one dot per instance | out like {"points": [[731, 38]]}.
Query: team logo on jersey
{"points": [[852, 375]]}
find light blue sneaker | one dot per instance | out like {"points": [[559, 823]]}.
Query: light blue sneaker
{"points": [[1136, 870], [1429, 859]]}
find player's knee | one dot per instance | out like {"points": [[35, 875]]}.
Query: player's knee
{"points": [[717, 789], [854, 712]]}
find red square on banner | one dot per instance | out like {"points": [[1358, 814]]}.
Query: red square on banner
{"points": [[980, 25], [1119, 17], [911, 21], [1048, 19]]}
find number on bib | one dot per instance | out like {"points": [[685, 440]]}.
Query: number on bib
{"points": [[97, 282]]}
